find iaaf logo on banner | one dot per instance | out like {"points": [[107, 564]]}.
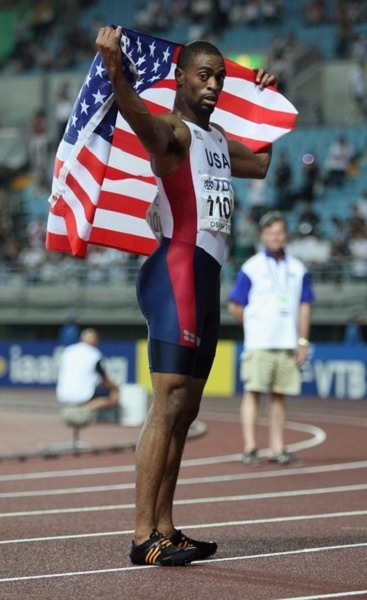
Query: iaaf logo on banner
{"points": [[22, 367]]}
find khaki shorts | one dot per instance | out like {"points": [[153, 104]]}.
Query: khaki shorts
{"points": [[270, 371]]}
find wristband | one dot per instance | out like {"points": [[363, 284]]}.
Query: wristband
{"points": [[303, 342]]}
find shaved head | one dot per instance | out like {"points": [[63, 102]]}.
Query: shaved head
{"points": [[190, 51]]}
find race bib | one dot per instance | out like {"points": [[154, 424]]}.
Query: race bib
{"points": [[154, 220], [217, 199]]}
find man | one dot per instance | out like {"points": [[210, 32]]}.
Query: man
{"points": [[82, 379], [178, 285], [271, 297]]}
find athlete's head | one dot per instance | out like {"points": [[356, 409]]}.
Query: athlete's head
{"points": [[189, 52], [200, 75]]}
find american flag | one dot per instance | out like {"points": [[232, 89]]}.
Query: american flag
{"points": [[103, 183]]}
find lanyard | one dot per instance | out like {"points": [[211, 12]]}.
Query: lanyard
{"points": [[278, 271]]}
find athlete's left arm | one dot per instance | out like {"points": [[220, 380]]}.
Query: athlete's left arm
{"points": [[245, 163]]}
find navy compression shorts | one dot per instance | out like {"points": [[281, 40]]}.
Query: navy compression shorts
{"points": [[178, 290]]}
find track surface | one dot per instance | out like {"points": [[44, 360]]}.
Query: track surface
{"points": [[283, 532]]}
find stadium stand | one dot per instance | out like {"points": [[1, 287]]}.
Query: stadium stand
{"points": [[43, 45]]}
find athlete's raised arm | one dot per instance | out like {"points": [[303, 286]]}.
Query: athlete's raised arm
{"points": [[155, 132]]}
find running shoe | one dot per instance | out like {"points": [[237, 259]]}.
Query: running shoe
{"points": [[204, 549], [159, 550], [251, 458], [285, 458]]}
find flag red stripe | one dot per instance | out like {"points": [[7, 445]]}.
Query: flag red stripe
{"points": [[78, 245], [116, 175], [119, 203], [129, 142], [91, 162], [254, 112], [58, 166], [57, 243], [88, 206]]}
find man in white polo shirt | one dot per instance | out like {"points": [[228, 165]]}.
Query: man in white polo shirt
{"points": [[82, 380], [272, 297]]}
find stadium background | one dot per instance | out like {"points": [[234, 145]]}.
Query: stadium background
{"points": [[44, 44]]}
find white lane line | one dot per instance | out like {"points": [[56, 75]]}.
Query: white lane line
{"points": [[344, 515], [259, 474], [190, 501], [318, 434], [186, 481], [202, 564], [325, 596]]}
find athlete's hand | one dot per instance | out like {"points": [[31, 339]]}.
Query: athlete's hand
{"points": [[263, 79], [108, 44]]}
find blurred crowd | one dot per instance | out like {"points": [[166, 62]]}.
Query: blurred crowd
{"points": [[50, 35]]}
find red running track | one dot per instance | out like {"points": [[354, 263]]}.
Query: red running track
{"points": [[282, 532]]}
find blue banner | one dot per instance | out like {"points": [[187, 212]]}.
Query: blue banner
{"points": [[332, 370], [36, 363]]}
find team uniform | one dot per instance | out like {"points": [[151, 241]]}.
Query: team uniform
{"points": [[193, 207], [271, 292]]}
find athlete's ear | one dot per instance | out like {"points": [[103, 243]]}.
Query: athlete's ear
{"points": [[179, 76]]}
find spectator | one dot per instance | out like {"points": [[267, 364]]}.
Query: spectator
{"points": [[358, 88], [315, 12], [339, 160], [311, 249], [36, 233], [353, 334], [256, 198], [283, 182], [312, 183], [63, 107], [362, 205], [358, 251], [39, 147], [308, 220], [246, 236]]}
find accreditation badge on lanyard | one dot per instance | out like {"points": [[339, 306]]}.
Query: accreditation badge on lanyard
{"points": [[279, 276]]}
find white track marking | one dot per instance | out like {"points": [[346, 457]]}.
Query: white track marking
{"points": [[318, 434], [191, 481], [325, 596], [191, 501], [202, 564], [196, 462], [344, 515]]}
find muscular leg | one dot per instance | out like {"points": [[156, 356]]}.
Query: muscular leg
{"points": [[164, 516], [159, 448], [277, 423], [249, 418]]}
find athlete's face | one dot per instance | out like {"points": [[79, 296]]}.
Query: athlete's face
{"points": [[202, 82], [274, 237]]}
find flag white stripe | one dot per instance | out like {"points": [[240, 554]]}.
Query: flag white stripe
{"points": [[123, 161], [109, 220], [131, 187], [242, 127], [56, 224], [265, 98]]}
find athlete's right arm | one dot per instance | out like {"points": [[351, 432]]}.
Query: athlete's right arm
{"points": [[156, 133]]}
